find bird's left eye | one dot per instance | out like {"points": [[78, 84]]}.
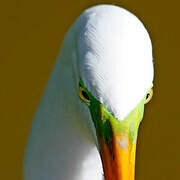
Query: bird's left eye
{"points": [[149, 96], [83, 95]]}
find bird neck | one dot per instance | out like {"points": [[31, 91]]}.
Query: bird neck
{"points": [[61, 145]]}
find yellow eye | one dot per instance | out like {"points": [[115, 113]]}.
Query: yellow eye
{"points": [[149, 95], [83, 95]]}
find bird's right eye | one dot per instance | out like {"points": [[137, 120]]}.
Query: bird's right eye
{"points": [[83, 95]]}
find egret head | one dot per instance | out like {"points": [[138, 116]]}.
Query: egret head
{"points": [[115, 81]]}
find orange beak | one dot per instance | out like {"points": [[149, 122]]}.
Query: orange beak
{"points": [[117, 140], [118, 158]]}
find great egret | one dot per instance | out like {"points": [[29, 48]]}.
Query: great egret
{"points": [[94, 100]]}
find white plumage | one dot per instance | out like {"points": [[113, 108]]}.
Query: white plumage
{"points": [[110, 50]]}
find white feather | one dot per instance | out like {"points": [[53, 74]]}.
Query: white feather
{"points": [[115, 55], [110, 50]]}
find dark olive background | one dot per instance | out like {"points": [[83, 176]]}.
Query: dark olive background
{"points": [[31, 34]]}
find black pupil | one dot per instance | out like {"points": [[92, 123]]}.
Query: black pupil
{"points": [[85, 95], [147, 95]]}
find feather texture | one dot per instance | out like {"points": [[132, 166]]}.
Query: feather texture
{"points": [[109, 48]]}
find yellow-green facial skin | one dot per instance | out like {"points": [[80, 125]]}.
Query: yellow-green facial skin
{"points": [[107, 125]]}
